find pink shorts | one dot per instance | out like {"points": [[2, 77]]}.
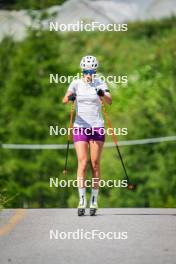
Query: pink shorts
{"points": [[87, 134]]}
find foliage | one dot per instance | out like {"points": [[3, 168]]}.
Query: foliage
{"points": [[29, 4], [147, 107]]}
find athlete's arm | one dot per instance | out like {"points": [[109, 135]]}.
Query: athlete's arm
{"points": [[70, 93], [106, 94], [66, 97]]}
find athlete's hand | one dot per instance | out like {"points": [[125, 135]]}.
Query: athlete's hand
{"points": [[100, 92], [72, 97]]}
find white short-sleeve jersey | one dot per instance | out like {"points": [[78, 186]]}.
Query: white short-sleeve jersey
{"points": [[88, 103]]}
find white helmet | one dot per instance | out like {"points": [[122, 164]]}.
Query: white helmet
{"points": [[89, 62]]}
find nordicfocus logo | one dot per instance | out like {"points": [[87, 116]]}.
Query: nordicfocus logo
{"points": [[81, 234], [82, 26], [110, 79], [55, 182], [62, 131]]}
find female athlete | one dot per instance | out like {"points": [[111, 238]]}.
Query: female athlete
{"points": [[88, 127]]}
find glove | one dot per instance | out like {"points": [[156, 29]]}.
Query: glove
{"points": [[100, 92], [72, 97]]}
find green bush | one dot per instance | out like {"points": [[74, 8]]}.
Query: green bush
{"points": [[147, 107]]}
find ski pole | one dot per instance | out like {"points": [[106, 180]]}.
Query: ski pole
{"points": [[130, 185], [68, 140]]}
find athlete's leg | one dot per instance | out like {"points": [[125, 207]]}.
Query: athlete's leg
{"points": [[95, 155], [82, 157]]}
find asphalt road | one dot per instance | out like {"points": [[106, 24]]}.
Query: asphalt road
{"points": [[31, 236]]}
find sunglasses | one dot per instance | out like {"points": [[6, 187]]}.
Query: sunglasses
{"points": [[89, 72]]}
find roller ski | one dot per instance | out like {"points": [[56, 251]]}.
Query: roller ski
{"points": [[93, 209], [81, 208]]}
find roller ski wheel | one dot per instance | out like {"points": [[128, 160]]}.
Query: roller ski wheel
{"points": [[81, 211], [93, 209], [81, 208]]}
